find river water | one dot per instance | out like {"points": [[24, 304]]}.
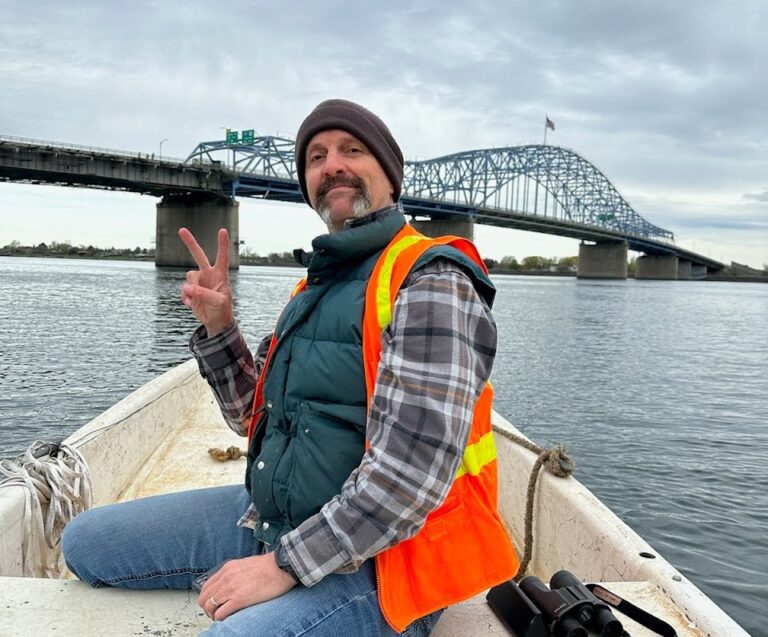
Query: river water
{"points": [[659, 389]]}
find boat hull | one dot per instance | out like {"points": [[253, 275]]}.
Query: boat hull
{"points": [[156, 441]]}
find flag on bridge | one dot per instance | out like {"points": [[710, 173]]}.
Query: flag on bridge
{"points": [[549, 123]]}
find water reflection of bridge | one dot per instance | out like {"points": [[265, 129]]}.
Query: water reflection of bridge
{"points": [[536, 188]]}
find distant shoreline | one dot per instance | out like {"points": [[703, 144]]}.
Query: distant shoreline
{"points": [[734, 278], [87, 257]]}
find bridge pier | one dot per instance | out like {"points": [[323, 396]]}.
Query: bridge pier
{"points": [[683, 270], [698, 272], [459, 226], [656, 266], [203, 214], [604, 260]]}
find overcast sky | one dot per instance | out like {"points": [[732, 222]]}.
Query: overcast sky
{"points": [[668, 99]]}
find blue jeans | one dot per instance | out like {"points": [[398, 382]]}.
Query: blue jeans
{"points": [[167, 540]]}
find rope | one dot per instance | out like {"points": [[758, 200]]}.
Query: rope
{"points": [[554, 460], [231, 453], [58, 486]]}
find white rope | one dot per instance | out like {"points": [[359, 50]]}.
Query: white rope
{"points": [[58, 487]]}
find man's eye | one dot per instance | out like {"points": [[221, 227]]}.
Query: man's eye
{"points": [[354, 149], [314, 158]]}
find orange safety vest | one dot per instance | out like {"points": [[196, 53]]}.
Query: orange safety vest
{"points": [[463, 548]]}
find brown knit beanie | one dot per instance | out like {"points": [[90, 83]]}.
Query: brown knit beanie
{"points": [[361, 123]]}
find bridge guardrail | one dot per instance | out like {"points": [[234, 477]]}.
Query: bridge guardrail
{"points": [[92, 149]]}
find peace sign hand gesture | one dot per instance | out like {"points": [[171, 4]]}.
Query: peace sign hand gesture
{"points": [[207, 291]]}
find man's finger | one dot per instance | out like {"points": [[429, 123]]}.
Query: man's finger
{"points": [[199, 293], [225, 610], [194, 248], [222, 256]]}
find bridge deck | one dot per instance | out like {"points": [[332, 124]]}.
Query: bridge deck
{"points": [[40, 162]]}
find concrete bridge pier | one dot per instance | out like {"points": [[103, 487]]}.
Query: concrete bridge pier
{"points": [[203, 215], [683, 270], [603, 260], [459, 226], [698, 272], [656, 266]]}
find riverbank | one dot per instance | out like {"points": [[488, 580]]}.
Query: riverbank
{"points": [[734, 273], [137, 254]]}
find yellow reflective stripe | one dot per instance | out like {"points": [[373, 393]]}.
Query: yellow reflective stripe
{"points": [[478, 455], [383, 298]]}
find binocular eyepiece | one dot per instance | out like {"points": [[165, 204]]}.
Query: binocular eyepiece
{"points": [[569, 608]]}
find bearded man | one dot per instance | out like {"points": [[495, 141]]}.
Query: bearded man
{"points": [[369, 503]]}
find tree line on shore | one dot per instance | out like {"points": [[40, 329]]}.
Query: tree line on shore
{"points": [[66, 249], [508, 264], [249, 257]]}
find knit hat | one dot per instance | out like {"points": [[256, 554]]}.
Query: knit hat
{"points": [[361, 123]]}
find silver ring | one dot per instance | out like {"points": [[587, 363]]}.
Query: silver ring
{"points": [[213, 600]]}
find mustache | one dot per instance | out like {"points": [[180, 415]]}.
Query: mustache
{"points": [[340, 180]]}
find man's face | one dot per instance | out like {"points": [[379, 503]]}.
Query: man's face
{"points": [[344, 180]]}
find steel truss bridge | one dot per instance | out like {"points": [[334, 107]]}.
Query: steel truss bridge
{"points": [[537, 188]]}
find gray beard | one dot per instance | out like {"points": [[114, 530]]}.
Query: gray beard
{"points": [[361, 207]]}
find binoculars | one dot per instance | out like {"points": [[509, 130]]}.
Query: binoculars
{"points": [[566, 609]]}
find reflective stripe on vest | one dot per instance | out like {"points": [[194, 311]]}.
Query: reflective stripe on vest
{"points": [[463, 548], [384, 299], [478, 455]]}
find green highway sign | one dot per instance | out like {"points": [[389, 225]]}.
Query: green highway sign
{"points": [[248, 136], [232, 136]]}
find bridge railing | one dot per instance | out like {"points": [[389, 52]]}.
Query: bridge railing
{"points": [[28, 141]]}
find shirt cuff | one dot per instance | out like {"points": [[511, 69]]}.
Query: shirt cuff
{"points": [[314, 551], [217, 352]]}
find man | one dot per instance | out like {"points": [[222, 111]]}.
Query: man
{"points": [[369, 502]]}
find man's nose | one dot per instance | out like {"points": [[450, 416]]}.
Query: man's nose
{"points": [[334, 164]]}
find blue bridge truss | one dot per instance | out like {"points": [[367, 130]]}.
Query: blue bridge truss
{"points": [[534, 187]]}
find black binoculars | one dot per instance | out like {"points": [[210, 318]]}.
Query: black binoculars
{"points": [[566, 609]]}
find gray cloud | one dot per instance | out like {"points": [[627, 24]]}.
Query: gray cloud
{"points": [[667, 100], [757, 196]]}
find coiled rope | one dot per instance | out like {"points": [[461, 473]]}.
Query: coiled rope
{"points": [[58, 486], [230, 453], [554, 460]]}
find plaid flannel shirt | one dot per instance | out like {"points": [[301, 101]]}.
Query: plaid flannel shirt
{"points": [[436, 356]]}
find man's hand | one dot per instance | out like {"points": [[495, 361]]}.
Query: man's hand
{"points": [[242, 583], [207, 291]]}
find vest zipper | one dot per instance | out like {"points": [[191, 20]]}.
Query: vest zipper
{"points": [[378, 597], [257, 416]]}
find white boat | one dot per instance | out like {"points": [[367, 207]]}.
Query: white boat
{"points": [[156, 441]]}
